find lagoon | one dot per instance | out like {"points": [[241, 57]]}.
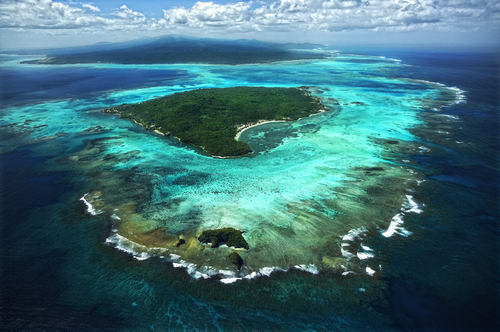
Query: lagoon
{"points": [[335, 208]]}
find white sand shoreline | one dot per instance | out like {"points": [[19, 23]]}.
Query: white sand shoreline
{"points": [[261, 122], [240, 129], [159, 132], [248, 126]]}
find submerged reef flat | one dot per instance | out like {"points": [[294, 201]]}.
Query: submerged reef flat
{"points": [[328, 232], [317, 195], [313, 196], [211, 118], [353, 217]]}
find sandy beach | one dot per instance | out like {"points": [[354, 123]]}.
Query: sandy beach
{"points": [[248, 126], [260, 122], [159, 132]]}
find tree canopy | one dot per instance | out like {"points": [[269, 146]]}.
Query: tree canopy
{"points": [[211, 118]]}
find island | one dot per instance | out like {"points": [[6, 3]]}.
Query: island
{"points": [[230, 236], [169, 50], [212, 118]]}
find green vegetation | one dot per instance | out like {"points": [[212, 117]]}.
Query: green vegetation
{"points": [[183, 50], [211, 118], [180, 242], [230, 236], [236, 259]]}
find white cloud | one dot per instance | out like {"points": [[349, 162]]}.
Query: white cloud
{"points": [[92, 8], [336, 15], [48, 14], [260, 15], [44, 14], [208, 14], [128, 16]]}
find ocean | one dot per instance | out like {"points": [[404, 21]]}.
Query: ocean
{"points": [[379, 214]]}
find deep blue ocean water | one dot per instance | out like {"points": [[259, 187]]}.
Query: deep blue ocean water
{"points": [[59, 274]]}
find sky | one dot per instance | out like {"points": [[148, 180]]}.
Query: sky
{"points": [[32, 24]]}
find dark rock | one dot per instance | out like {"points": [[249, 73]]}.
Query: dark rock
{"points": [[215, 241], [236, 260]]}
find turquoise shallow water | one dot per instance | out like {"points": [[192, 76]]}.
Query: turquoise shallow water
{"points": [[326, 202], [286, 196]]}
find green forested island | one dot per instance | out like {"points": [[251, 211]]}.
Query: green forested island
{"points": [[186, 50], [228, 235], [211, 118]]}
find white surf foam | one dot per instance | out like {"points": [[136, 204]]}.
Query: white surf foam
{"points": [[411, 206], [122, 243], [90, 208], [423, 149], [365, 253], [396, 225], [454, 117], [311, 268], [347, 247], [353, 234], [370, 271], [228, 276], [229, 280], [265, 271], [460, 95]]}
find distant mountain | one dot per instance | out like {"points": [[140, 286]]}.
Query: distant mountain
{"points": [[101, 46], [170, 49], [304, 46]]}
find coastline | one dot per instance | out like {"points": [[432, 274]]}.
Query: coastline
{"points": [[242, 128], [251, 125], [158, 132]]}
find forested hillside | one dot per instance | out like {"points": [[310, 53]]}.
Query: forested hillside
{"points": [[211, 118]]}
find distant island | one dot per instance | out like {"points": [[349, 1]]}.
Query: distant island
{"points": [[211, 118], [170, 50]]}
